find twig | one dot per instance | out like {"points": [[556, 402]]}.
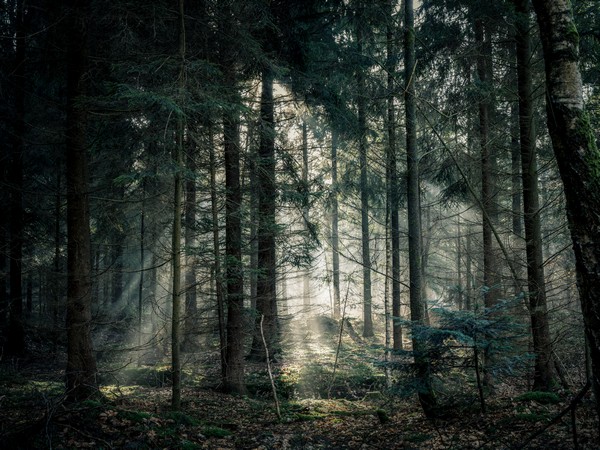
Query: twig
{"points": [[570, 407], [262, 334], [337, 351]]}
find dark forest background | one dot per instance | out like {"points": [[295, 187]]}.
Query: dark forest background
{"points": [[345, 222]]}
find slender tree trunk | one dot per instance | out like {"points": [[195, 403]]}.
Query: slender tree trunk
{"points": [[394, 184], [335, 252], [177, 210], [16, 334], [490, 279], [217, 255], [81, 364], [305, 212], [578, 160], [266, 293], [234, 378], [140, 303], [191, 310], [544, 376], [417, 310], [364, 185]]}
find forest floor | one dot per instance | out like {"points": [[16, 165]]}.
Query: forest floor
{"points": [[351, 410]]}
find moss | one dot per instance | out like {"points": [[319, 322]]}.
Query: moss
{"points": [[541, 397], [181, 418], [214, 431], [134, 416]]}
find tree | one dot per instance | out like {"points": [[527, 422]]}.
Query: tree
{"points": [[417, 307], [81, 364], [266, 289], [394, 185], [542, 346], [16, 332], [360, 29], [234, 279], [578, 160]]}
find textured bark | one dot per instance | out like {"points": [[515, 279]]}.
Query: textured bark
{"points": [[334, 228], [490, 278], [578, 160], [16, 334], [305, 212], [177, 210], [266, 289], [191, 309], [394, 185], [417, 309], [543, 378], [234, 284], [217, 255], [364, 186], [81, 364]]}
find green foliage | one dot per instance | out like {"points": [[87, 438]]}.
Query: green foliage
{"points": [[543, 398], [453, 346], [181, 418], [134, 416], [214, 431]]}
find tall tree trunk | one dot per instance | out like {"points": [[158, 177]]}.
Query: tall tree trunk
{"points": [[177, 210], [417, 310], [394, 185], [266, 292], [234, 377], [364, 184], [543, 378], [217, 254], [81, 364], [305, 212], [578, 160], [191, 310], [490, 278], [335, 251], [16, 334]]}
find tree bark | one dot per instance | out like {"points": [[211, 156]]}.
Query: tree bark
{"points": [[364, 183], [16, 333], [543, 378], [266, 289], [417, 311], [81, 364], [234, 284], [490, 278], [335, 251], [394, 185], [578, 160], [191, 310], [177, 210]]}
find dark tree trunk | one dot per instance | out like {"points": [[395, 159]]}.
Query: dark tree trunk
{"points": [[234, 284], [417, 309], [266, 299], [335, 251], [364, 184], [16, 334], [81, 364], [578, 160], [544, 378], [217, 255], [191, 309], [490, 278], [394, 185], [177, 211], [306, 213]]}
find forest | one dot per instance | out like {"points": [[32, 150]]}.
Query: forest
{"points": [[300, 224]]}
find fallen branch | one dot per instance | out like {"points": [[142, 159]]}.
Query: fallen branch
{"points": [[262, 334], [570, 407]]}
